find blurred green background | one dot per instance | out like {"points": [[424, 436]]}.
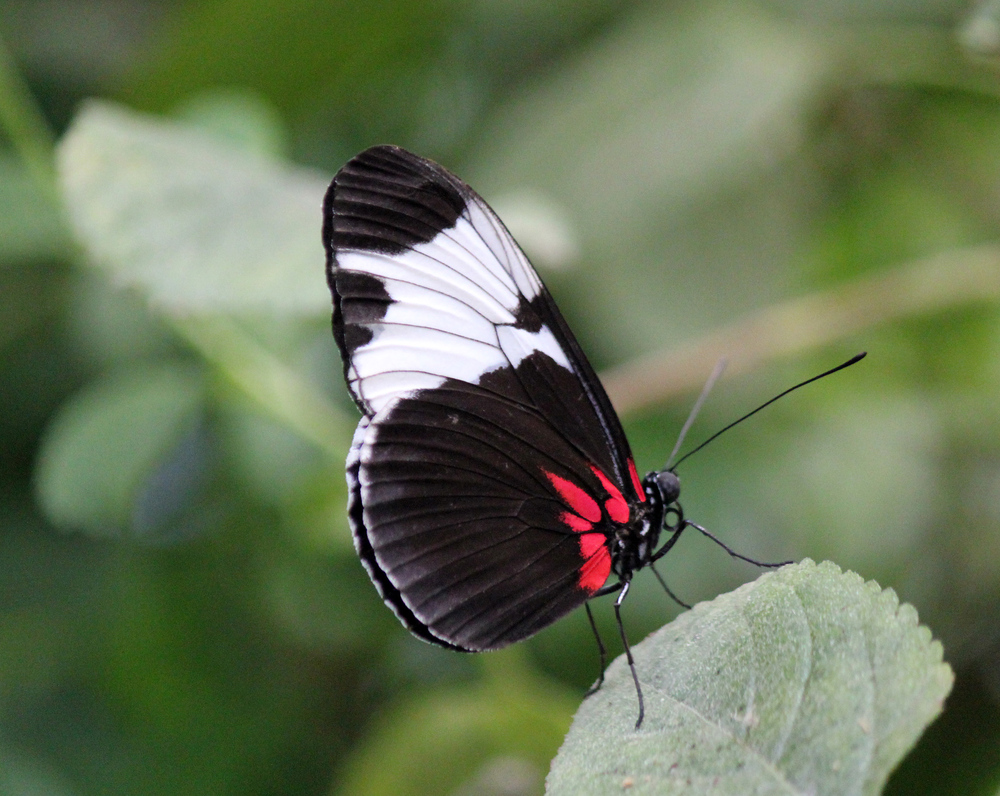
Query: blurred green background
{"points": [[181, 609]]}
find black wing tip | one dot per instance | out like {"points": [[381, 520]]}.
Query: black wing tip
{"points": [[391, 161], [387, 157], [387, 200]]}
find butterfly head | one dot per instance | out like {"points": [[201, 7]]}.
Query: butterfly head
{"points": [[636, 542], [663, 490], [667, 486]]}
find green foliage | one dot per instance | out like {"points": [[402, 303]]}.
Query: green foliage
{"points": [[196, 226], [805, 681], [102, 447], [183, 611], [471, 740]]}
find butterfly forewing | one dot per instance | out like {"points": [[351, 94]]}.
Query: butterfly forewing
{"points": [[489, 470]]}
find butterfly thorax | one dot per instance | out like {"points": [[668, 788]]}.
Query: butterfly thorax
{"points": [[635, 542]]}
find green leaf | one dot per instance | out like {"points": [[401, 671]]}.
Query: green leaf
{"points": [[196, 226], [242, 119], [808, 680], [104, 444]]}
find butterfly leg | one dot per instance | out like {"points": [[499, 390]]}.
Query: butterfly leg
{"points": [[670, 542], [677, 531], [600, 643], [628, 653], [666, 588], [600, 650]]}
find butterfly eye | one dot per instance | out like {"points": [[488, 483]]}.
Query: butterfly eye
{"points": [[669, 486]]}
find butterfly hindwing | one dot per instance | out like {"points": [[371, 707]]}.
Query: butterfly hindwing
{"points": [[489, 468], [464, 520]]}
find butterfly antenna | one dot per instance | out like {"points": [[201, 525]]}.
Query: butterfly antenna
{"points": [[714, 377], [733, 553], [851, 361]]}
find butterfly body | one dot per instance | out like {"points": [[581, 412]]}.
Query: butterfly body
{"points": [[492, 489]]}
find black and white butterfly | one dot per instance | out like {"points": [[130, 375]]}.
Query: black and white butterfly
{"points": [[492, 489]]}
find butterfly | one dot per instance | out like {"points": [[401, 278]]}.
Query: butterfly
{"points": [[491, 486]]}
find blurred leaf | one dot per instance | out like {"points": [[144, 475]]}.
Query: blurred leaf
{"points": [[642, 92], [283, 471], [104, 444], [23, 123], [194, 225], [979, 32], [454, 742], [243, 119], [807, 680]]}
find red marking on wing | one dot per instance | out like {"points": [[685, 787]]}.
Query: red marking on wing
{"points": [[593, 546], [575, 497], [590, 543], [597, 565], [636, 482], [616, 505], [575, 523]]}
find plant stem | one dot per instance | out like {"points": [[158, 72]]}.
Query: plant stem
{"points": [[25, 126], [793, 327], [268, 382]]}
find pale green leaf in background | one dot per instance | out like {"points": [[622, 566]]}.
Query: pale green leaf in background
{"points": [[240, 118], [193, 224]]}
